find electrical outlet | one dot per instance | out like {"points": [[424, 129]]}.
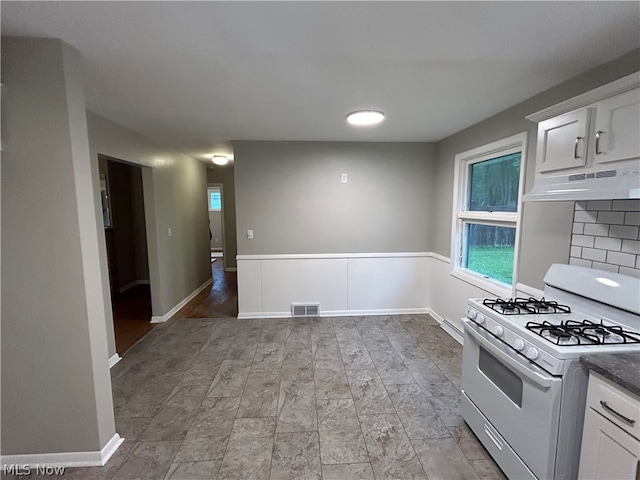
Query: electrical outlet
{"points": [[343, 178]]}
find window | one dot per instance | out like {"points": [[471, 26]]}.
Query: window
{"points": [[487, 188], [215, 199]]}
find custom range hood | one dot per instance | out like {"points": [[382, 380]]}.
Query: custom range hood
{"points": [[621, 183]]}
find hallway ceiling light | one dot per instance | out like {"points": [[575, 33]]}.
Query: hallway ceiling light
{"points": [[365, 117], [220, 160]]}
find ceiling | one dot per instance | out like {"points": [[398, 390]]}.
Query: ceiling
{"points": [[198, 75]]}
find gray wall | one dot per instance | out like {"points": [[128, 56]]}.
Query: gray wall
{"points": [[546, 227], [56, 389], [215, 225], [291, 196], [174, 186], [225, 177]]}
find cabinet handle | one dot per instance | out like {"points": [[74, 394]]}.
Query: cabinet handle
{"points": [[598, 133], [628, 420], [575, 147]]}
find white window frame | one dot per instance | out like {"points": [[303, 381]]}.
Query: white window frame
{"points": [[210, 190], [462, 217]]}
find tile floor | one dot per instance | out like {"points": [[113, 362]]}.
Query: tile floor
{"points": [[321, 398]]}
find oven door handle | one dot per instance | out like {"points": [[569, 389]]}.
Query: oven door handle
{"points": [[539, 379]]}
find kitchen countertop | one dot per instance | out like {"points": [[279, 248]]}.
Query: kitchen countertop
{"points": [[621, 368]]}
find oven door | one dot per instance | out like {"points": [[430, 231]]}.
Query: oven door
{"points": [[519, 399]]}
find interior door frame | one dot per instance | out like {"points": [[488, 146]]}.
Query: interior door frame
{"points": [[222, 230]]}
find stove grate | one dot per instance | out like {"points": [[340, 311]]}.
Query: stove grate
{"points": [[525, 306], [585, 332]]}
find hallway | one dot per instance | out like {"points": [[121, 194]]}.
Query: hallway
{"points": [[132, 309], [218, 301]]}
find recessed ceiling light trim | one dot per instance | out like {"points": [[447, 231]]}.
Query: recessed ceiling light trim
{"points": [[220, 160], [363, 118]]}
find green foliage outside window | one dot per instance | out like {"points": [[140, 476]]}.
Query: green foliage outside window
{"points": [[493, 186]]}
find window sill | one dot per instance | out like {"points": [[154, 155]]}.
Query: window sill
{"points": [[491, 286]]}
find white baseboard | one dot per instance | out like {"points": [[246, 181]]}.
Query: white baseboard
{"points": [[174, 310], [115, 358], [335, 313], [256, 315], [435, 316], [448, 327], [397, 311], [133, 284], [452, 330], [67, 459]]}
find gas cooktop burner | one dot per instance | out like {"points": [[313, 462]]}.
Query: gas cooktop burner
{"points": [[586, 332], [524, 306], [557, 332]]}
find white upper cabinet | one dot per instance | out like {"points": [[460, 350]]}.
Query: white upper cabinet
{"points": [[588, 147], [562, 141], [617, 128], [603, 132]]}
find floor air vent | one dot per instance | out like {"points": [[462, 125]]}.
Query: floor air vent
{"points": [[305, 309]]}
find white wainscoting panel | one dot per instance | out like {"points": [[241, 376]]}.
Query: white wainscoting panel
{"points": [[249, 287], [389, 284], [343, 284], [308, 280], [448, 295]]}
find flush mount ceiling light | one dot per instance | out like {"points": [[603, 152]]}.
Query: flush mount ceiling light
{"points": [[365, 117], [220, 160]]}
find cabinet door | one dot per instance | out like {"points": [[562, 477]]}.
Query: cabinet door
{"points": [[608, 452], [618, 127], [562, 141]]}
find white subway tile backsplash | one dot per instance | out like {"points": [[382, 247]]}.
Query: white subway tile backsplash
{"points": [[582, 240], [623, 231], [580, 262], [622, 259], [632, 218], [607, 267], [597, 229], [599, 205], [608, 243], [631, 246], [630, 271], [594, 254], [585, 216], [626, 205], [605, 235], [612, 218]]}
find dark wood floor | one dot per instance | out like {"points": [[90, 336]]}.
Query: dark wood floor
{"points": [[219, 301], [131, 316], [132, 309]]}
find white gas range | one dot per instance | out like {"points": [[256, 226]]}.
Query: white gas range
{"points": [[523, 388]]}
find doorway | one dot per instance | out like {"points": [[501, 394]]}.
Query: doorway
{"points": [[127, 257], [215, 199]]}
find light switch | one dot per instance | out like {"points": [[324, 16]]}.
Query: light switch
{"points": [[343, 178], [169, 233], [249, 233]]}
